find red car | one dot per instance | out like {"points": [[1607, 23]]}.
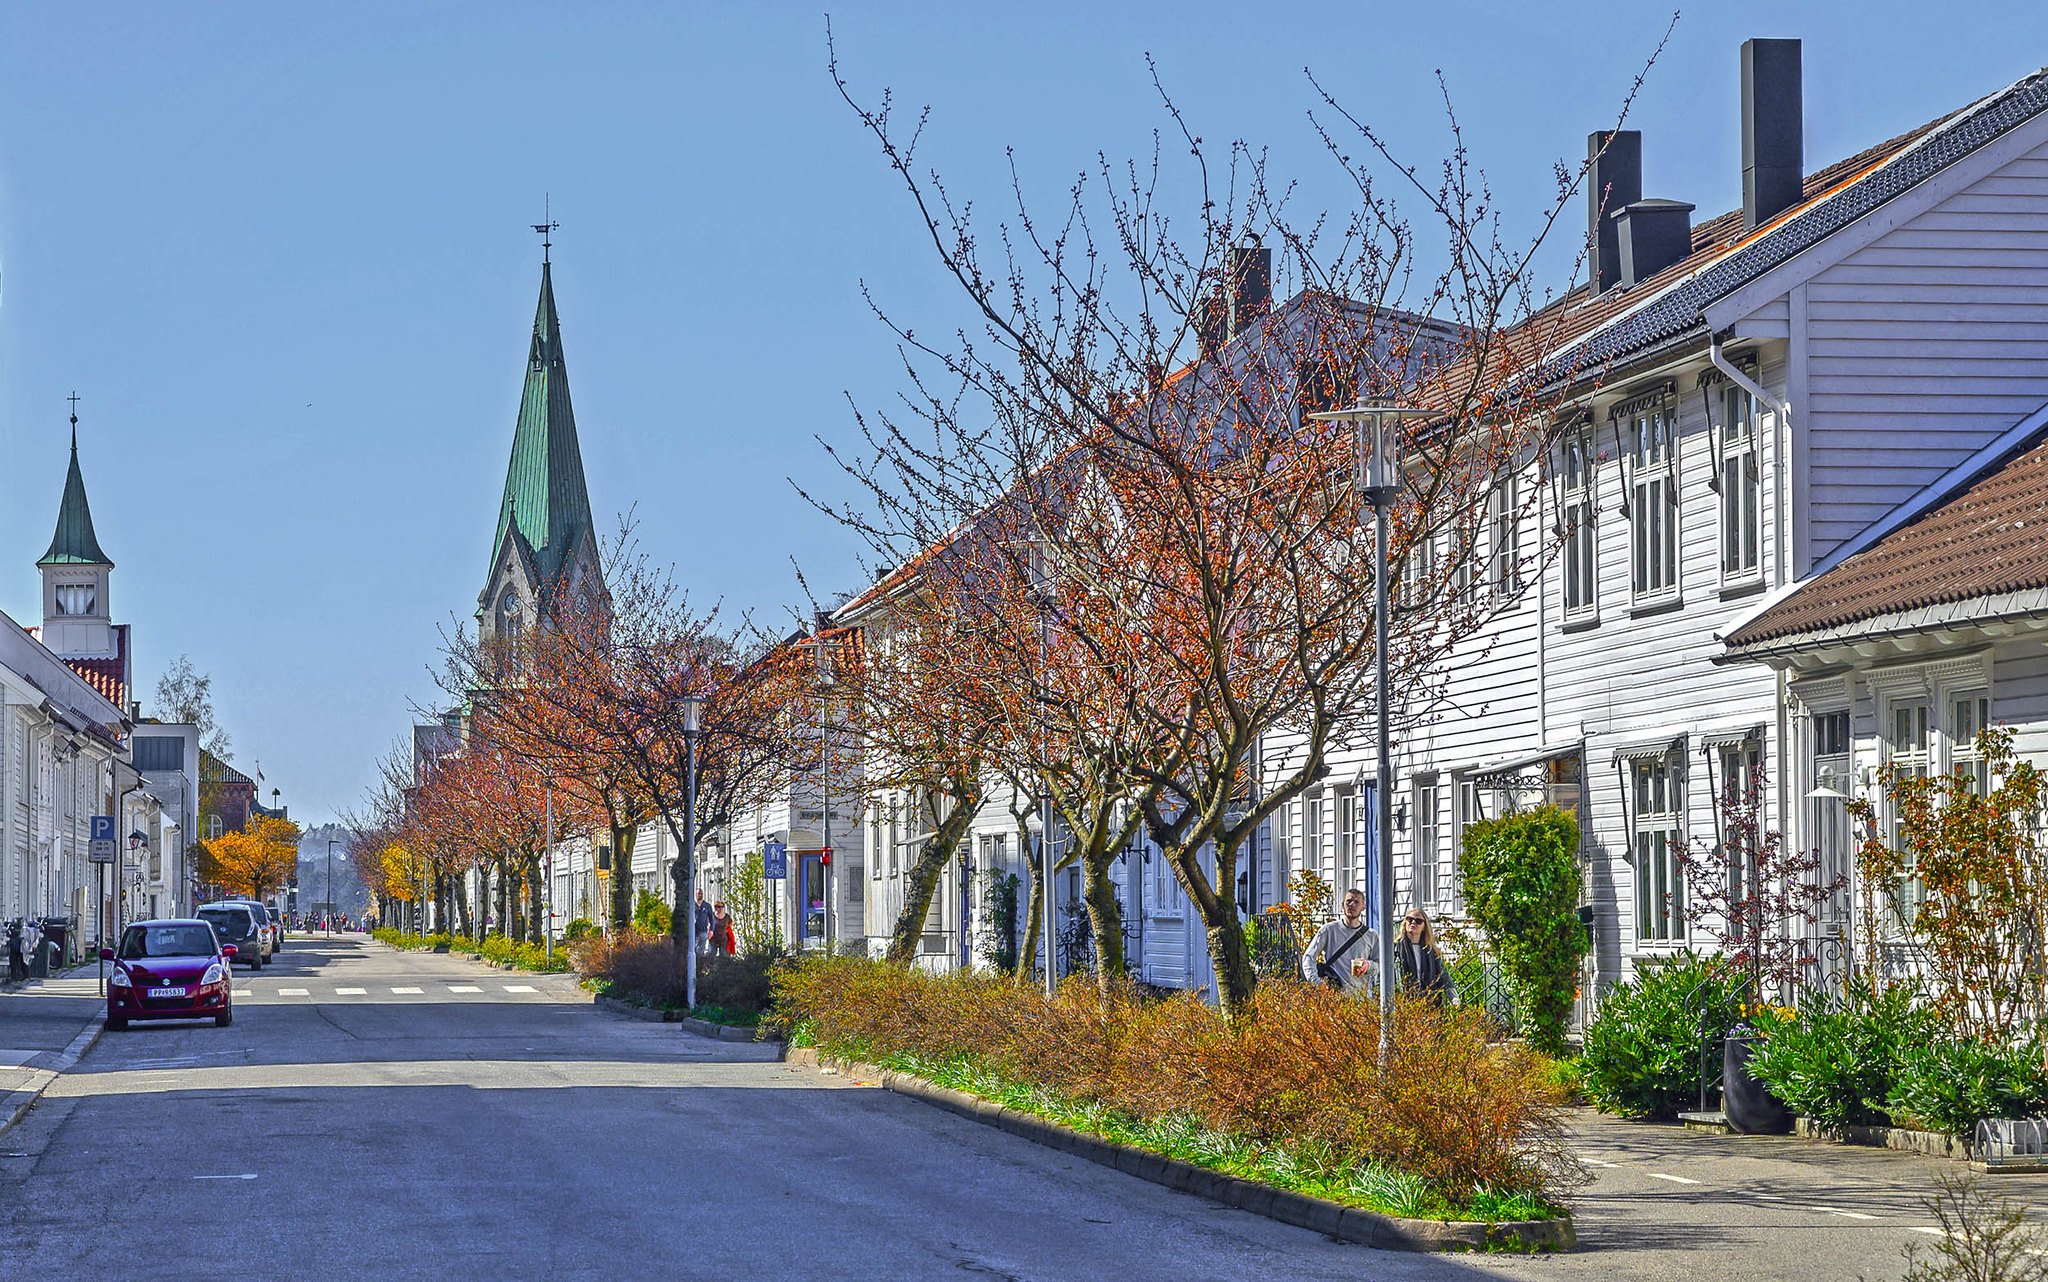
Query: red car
{"points": [[173, 969]]}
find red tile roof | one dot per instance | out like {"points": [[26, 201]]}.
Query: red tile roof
{"points": [[1989, 538]]}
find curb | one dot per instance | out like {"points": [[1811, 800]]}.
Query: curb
{"points": [[18, 1102], [696, 1027], [1319, 1215]]}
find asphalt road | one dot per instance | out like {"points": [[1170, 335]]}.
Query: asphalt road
{"points": [[400, 1115]]}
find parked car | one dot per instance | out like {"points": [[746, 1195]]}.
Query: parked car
{"points": [[236, 924], [273, 925], [176, 968]]}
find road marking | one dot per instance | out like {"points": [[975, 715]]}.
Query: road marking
{"points": [[464, 988], [1675, 1179], [350, 992], [1922, 1228], [291, 992], [405, 990], [521, 988], [224, 1177], [1594, 1161]]}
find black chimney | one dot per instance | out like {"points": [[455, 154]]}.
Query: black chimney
{"points": [[1773, 137], [1654, 234], [1614, 182], [1251, 284]]}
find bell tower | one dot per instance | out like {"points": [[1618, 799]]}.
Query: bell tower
{"points": [[77, 620]]}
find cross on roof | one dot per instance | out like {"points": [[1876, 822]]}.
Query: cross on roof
{"points": [[546, 228]]}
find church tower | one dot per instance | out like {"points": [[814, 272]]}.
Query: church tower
{"points": [[78, 624], [545, 546]]}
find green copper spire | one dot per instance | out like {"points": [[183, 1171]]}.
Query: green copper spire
{"points": [[74, 543], [546, 502]]}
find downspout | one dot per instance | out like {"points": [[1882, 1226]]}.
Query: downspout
{"points": [[1781, 443]]}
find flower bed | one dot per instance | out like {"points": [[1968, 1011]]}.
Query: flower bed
{"points": [[494, 948], [1294, 1095]]}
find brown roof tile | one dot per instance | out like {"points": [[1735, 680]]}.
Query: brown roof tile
{"points": [[1989, 538]]}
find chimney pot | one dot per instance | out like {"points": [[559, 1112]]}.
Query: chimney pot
{"points": [[1773, 130], [1654, 234], [1614, 182]]}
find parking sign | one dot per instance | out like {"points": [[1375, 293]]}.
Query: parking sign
{"points": [[101, 848]]}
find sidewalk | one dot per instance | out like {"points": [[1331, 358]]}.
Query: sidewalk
{"points": [[45, 1025]]}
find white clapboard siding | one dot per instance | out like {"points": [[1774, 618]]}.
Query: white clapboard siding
{"points": [[1924, 345]]}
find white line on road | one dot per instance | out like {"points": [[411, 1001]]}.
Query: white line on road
{"points": [[1922, 1228], [1675, 1179], [350, 992], [1594, 1161], [521, 988], [291, 992], [224, 1177], [464, 988], [405, 990]]}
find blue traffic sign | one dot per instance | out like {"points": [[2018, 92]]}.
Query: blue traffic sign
{"points": [[102, 828], [775, 860]]}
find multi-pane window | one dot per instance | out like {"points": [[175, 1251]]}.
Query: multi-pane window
{"points": [[1418, 576], [1970, 714], [1906, 746], [1740, 772], [875, 844], [1579, 565], [1283, 844], [1741, 486], [1347, 840], [1312, 835], [1830, 814], [1660, 890], [1503, 548], [1428, 843], [1653, 503], [895, 837]]}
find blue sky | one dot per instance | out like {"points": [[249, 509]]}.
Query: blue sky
{"points": [[282, 254]]}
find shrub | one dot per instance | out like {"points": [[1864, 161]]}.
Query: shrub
{"points": [[1302, 1073], [1950, 1084], [650, 967], [577, 928], [1642, 1055], [650, 915], [1836, 1063], [997, 939], [1521, 875], [736, 984]]}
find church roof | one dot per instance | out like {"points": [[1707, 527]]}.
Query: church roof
{"points": [[546, 502], [74, 543]]}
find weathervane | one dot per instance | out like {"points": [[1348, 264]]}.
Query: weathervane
{"points": [[546, 228], [74, 420]]}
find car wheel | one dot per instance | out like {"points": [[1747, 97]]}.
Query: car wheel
{"points": [[223, 1019], [116, 1024], [258, 963]]}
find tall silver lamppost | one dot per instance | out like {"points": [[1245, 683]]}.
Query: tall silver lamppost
{"points": [[693, 709], [824, 657], [1376, 477], [329, 913]]}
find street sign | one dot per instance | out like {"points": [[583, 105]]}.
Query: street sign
{"points": [[101, 848], [775, 860]]}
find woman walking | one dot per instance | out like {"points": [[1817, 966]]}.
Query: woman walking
{"points": [[1415, 956], [721, 930]]}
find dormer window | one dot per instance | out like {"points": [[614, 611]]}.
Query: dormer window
{"points": [[76, 598]]}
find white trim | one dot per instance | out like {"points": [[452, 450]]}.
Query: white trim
{"points": [[1761, 291]]}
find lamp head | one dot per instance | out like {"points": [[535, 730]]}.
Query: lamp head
{"points": [[1376, 460], [693, 711]]}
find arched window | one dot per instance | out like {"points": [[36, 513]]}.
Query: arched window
{"points": [[510, 618]]}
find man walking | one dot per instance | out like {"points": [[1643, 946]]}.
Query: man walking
{"points": [[1341, 953], [700, 918]]}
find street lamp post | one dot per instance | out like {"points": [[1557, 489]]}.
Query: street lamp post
{"points": [[329, 914], [824, 657], [1376, 477], [692, 708]]}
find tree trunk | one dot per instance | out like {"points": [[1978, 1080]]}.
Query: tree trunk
{"points": [[923, 882], [1027, 947], [623, 841], [1217, 905], [536, 901], [463, 922], [1105, 919], [504, 893]]}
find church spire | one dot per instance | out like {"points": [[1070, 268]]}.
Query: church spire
{"points": [[546, 502], [74, 543]]}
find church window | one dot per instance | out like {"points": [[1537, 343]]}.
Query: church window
{"points": [[75, 598], [510, 619]]}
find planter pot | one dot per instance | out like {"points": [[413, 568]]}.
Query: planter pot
{"points": [[1750, 1108]]}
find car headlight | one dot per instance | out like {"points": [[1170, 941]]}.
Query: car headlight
{"points": [[213, 974], [119, 979]]}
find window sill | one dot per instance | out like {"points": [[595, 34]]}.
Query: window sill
{"points": [[1650, 609], [1746, 587], [1585, 624]]}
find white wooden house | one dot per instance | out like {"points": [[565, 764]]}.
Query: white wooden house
{"points": [[1751, 401]]}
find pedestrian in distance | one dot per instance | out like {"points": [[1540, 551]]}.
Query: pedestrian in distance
{"points": [[1421, 966], [700, 922], [721, 929], [1341, 953]]}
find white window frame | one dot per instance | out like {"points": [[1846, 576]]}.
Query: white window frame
{"points": [[1912, 753], [1581, 569], [1427, 846], [1345, 829], [1503, 539], [1831, 760], [1418, 575], [1742, 488], [1654, 534], [1312, 855], [1657, 836], [1969, 715]]}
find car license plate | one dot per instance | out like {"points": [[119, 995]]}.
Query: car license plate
{"points": [[166, 992]]}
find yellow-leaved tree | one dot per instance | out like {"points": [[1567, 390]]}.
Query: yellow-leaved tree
{"points": [[255, 861]]}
